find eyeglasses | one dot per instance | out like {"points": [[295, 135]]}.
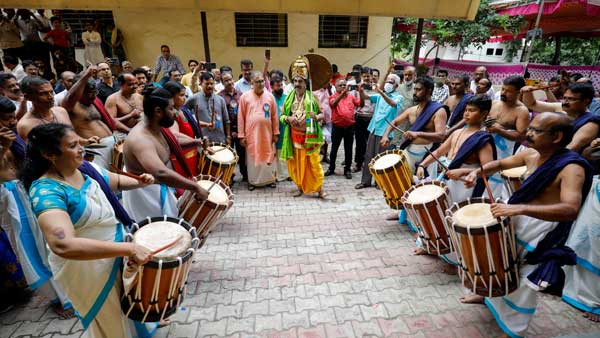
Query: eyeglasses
{"points": [[571, 99], [537, 130]]}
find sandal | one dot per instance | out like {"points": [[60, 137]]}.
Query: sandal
{"points": [[251, 187], [322, 195]]}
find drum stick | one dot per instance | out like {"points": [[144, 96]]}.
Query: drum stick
{"points": [[215, 182], [393, 126], [541, 87], [440, 162], [166, 246], [124, 173], [487, 185]]}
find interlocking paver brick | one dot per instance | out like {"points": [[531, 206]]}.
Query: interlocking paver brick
{"points": [[278, 267]]}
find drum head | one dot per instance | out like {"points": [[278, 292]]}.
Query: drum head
{"points": [[425, 193], [474, 216], [222, 154], [386, 161], [217, 194], [158, 234], [515, 172]]}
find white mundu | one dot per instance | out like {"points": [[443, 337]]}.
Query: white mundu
{"points": [[386, 161], [425, 194], [582, 281], [158, 234], [221, 154], [217, 194]]}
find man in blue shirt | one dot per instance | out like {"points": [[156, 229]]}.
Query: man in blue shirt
{"points": [[387, 102]]}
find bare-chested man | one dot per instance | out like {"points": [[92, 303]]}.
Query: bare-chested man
{"points": [[510, 115], [575, 102], [428, 124], [39, 92], [126, 105], [542, 211], [458, 102], [147, 149], [15, 209], [90, 118]]}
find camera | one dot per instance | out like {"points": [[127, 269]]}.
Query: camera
{"points": [[352, 87]]}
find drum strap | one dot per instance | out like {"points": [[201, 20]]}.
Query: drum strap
{"points": [[106, 118], [469, 146], [430, 109], [176, 150]]}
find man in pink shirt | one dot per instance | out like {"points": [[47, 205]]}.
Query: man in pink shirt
{"points": [[342, 118], [258, 131]]}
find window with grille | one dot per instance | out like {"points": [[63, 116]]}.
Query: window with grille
{"points": [[261, 30], [340, 31], [76, 20]]}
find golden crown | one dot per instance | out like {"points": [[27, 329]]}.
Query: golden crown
{"points": [[300, 68]]}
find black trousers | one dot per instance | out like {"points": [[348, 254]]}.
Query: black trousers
{"points": [[337, 134], [361, 134], [241, 151]]}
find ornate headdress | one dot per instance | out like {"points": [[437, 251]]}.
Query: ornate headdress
{"points": [[300, 68]]}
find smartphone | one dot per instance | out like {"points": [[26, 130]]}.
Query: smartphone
{"points": [[268, 54], [398, 67], [210, 66], [352, 87], [367, 87], [114, 61], [355, 74]]}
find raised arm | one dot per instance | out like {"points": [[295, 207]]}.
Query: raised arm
{"points": [[76, 92], [536, 105]]}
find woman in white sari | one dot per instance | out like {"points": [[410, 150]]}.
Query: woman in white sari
{"points": [[79, 224]]}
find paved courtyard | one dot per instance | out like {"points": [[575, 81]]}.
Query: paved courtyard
{"points": [[279, 266]]}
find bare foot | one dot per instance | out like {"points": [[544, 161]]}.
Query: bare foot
{"points": [[61, 312], [163, 323], [322, 195], [471, 299], [592, 316], [298, 193], [420, 252]]}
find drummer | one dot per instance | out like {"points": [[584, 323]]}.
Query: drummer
{"points": [[542, 211], [428, 125], [148, 148], [80, 227], [466, 149], [90, 117]]}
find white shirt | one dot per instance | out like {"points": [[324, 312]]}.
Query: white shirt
{"points": [[219, 87], [29, 105], [18, 72], [59, 97], [242, 85]]}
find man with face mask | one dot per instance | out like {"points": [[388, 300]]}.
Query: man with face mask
{"points": [[258, 131], [575, 103], [386, 109], [406, 89], [148, 149], [10, 88], [91, 119], [210, 110], [510, 117]]}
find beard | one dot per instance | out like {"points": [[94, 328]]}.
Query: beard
{"points": [[503, 98], [416, 99], [166, 122], [278, 92], [565, 106]]}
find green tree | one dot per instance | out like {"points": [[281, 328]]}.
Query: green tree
{"points": [[572, 51], [460, 33]]}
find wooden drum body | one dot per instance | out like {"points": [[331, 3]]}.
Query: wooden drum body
{"points": [[513, 178], [223, 161], [204, 214], [159, 285], [485, 248], [392, 174], [118, 159], [425, 205]]}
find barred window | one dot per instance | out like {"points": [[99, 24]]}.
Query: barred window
{"points": [[76, 20], [261, 30], [340, 31]]}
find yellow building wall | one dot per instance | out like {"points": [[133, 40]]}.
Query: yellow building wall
{"points": [[145, 31]]}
